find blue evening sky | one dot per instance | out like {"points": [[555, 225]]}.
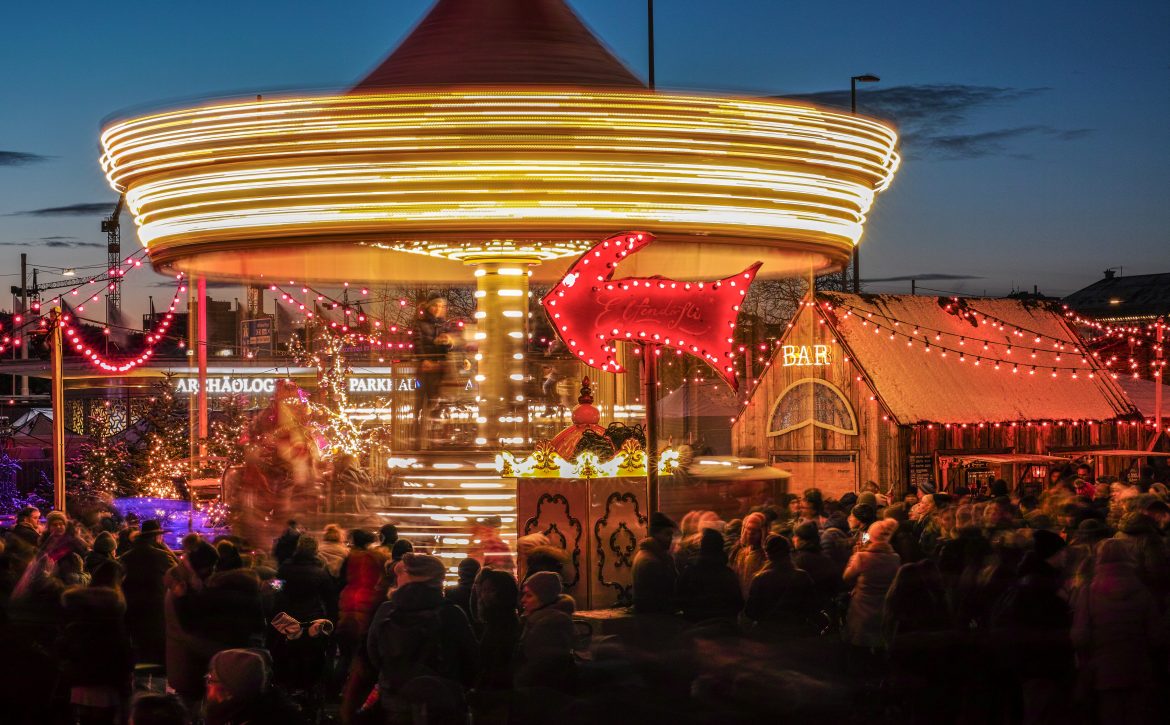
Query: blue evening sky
{"points": [[1036, 134]]}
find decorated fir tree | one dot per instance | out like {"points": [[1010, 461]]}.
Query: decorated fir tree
{"points": [[164, 449], [228, 431]]}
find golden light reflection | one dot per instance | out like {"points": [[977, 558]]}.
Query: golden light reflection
{"points": [[440, 172]]}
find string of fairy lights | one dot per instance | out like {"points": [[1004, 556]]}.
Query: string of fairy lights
{"points": [[978, 351], [152, 338], [343, 329], [40, 321], [1036, 353]]}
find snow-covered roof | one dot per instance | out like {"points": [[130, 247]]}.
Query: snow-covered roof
{"points": [[947, 385], [1143, 394]]}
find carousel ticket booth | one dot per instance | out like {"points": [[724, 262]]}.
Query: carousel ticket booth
{"points": [[591, 504]]}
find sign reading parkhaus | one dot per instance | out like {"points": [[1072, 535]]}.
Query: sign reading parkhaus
{"points": [[258, 385], [383, 385]]}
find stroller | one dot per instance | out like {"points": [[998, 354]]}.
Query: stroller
{"points": [[300, 653]]}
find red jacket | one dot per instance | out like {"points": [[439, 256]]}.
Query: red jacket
{"points": [[362, 592]]}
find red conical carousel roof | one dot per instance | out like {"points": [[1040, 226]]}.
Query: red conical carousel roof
{"points": [[500, 42]]}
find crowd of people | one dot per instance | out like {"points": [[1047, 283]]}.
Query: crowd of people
{"points": [[968, 606], [952, 607], [357, 621]]}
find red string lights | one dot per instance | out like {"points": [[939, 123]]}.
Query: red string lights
{"points": [[152, 338]]}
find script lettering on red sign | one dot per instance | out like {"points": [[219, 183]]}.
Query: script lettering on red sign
{"points": [[591, 310]]}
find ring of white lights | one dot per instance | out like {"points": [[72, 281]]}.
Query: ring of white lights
{"points": [[538, 174]]}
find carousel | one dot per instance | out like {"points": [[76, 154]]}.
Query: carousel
{"points": [[496, 145]]}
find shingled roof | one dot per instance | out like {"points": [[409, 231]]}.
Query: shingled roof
{"points": [[500, 43], [920, 387]]}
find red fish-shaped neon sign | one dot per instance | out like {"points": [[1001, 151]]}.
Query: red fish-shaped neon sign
{"points": [[590, 309]]}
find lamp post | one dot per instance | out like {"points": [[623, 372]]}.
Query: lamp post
{"points": [[650, 40], [853, 81]]}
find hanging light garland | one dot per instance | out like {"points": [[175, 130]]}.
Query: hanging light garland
{"points": [[41, 321], [152, 338], [932, 340]]}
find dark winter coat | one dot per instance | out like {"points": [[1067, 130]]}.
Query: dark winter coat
{"points": [[823, 571], [308, 592], [870, 573], [783, 596], [1115, 626], [905, 542], [146, 565], [1030, 627], [94, 648], [26, 534], [654, 578], [419, 634], [546, 646], [94, 559], [460, 596], [285, 545], [228, 611], [429, 329], [187, 653], [274, 707], [497, 652], [709, 589]]}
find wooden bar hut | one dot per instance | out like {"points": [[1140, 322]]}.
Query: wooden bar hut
{"points": [[930, 392]]}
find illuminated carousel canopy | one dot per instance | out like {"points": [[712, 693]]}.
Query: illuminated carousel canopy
{"points": [[423, 169]]}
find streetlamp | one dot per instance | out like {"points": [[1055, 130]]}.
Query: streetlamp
{"points": [[650, 39], [853, 81]]}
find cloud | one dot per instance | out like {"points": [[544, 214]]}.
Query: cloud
{"points": [[20, 158], [170, 283], [62, 244], [929, 117], [82, 209], [55, 242], [990, 143], [921, 277]]}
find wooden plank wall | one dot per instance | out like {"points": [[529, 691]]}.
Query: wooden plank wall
{"points": [[877, 443]]}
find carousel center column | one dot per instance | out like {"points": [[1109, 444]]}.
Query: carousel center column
{"points": [[501, 337]]}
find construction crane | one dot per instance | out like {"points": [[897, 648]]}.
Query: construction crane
{"points": [[112, 226]]}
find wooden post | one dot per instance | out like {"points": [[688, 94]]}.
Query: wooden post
{"points": [[650, 387], [58, 404], [1157, 386], [201, 359]]}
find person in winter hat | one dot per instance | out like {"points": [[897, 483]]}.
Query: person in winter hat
{"points": [[707, 587], [332, 550], [240, 691], [654, 570], [870, 572], [147, 562], [417, 634], [546, 642], [781, 595], [748, 557], [824, 571], [460, 594], [103, 550], [364, 590], [1116, 627]]}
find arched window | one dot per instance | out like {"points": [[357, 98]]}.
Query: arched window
{"points": [[812, 401]]}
